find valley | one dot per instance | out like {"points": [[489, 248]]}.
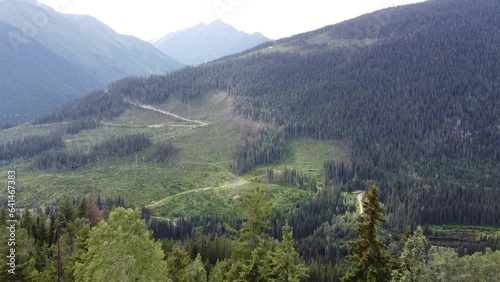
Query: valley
{"points": [[314, 151], [205, 137]]}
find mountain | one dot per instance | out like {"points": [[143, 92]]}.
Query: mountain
{"points": [[405, 97], [49, 58], [203, 43]]}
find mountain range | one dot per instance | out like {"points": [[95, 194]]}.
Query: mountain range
{"points": [[206, 42], [48, 58]]}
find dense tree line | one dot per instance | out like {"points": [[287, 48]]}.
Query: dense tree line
{"points": [[413, 201], [221, 246], [77, 126], [292, 178], [97, 105], [120, 146], [30, 146], [163, 152], [78, 241], [262, 146], [6, 125]]}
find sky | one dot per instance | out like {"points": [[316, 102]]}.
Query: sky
{"points": [[153, 19]]}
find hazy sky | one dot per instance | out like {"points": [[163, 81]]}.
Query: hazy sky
{"points": [[149, 19]]}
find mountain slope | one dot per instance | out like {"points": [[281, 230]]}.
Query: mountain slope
{"points": [[203, 43], [416, 103], [69, 54]]}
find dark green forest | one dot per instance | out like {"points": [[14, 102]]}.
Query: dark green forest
{"points": [[418, 105], [414, 92]]}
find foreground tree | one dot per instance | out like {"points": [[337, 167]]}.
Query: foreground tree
{"points": [[413, 259], [122, 249], [370, 261], [251, 255], [258, 257], [289, 266]]}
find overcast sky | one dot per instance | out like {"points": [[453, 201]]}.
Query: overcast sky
{"points": [[148, 19]]}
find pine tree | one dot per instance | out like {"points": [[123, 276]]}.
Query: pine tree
{"points": [[370, 261], [195, 271], [177, 262], [412, 259], [289, 266], [218, 273], [251, 256]]}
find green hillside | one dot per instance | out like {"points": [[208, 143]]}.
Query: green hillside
{"points": [[49, 58], [294, 132], [418, 127]]}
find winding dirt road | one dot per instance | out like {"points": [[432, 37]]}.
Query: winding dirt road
{"points": [[359, 196], [199, 123], [235, 183]]}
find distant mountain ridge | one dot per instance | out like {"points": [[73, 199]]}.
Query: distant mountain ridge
{"points": [[48, 58], [203, 43]]}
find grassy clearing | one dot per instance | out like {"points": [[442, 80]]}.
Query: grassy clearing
{"points": [[325, 39], [476, 231], [202, 162], [226, 199], [306, 155]]}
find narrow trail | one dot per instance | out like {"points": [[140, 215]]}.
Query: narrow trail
{"points": [[199, 123], [236, 183], [359, 196]]}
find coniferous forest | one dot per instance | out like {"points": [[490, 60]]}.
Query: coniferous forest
{"points": [[412, 90]]}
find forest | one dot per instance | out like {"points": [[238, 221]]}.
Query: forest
{"points": [[420, 128], [416, 102], [66, 240]]}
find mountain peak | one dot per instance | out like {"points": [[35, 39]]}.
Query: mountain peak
{"points": [[206, 42]]}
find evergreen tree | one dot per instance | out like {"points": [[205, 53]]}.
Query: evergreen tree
{"points": [[289, 266], [370, 260], [122, 249], [251, 256], [195, 271], [177, 262], [412, 259], [218, 273]]}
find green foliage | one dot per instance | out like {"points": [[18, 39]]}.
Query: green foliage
{"points": [[218, 273], [120, 146], [413, 259], [264, 146], [370, 260], [25, 269], [256, 256], [445, 265], [288, 265], [177, 262], [97, 105], [164, 152], [291, 177], [30, 146], [195, 271], [121, 249]]}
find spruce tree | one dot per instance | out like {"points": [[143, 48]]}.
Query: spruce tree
{"points": [[289, 266], [413, 259], [370, 261]]}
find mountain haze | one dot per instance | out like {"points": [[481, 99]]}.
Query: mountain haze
{"points": [[49, 58], [203, 43]]}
